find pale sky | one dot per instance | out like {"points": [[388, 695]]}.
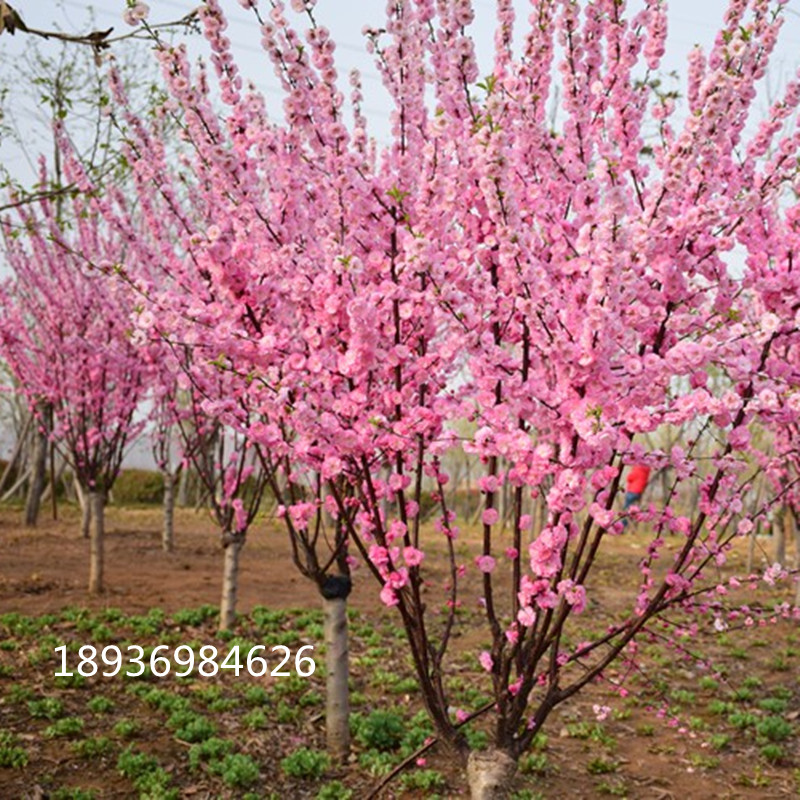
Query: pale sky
{"points": [[691, 22]]}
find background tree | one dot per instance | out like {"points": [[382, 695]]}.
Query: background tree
{"points": [[203, 240], [59, 84], [167, 454], [227, 465], [65, 336]]}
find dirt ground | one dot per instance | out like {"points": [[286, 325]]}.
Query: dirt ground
{"points": [[48, 567], [45, 570]]}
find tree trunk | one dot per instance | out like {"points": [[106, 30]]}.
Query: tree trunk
{"points": [[183, 487], [96, 505], [233, 545], [796, 530], [86, 511], [168, 535], [780, 537], [751, 551], [15, 457], [39, 476], [68, 485], [86, 519], [489, 774], [53, 481], [337, 711], [17, 484]]}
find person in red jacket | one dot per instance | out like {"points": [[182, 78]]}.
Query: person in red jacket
{"points": [[635, 484]]}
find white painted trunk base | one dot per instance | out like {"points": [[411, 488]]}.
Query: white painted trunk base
{"points": [[489, 774], [337, 711], [230, 583], [96, 503]]}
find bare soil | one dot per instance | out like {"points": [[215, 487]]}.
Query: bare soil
{"points": [[633, 754]]}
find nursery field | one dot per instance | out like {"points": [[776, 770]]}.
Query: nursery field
{"points": [[731, 732]]}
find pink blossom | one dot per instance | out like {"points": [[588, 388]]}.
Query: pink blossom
{"points": [[545, 552], [399, 482], [526, 617], [136, 13], [574, 594], [770, 322], [398, 578], [739, 437], [485, 563], [301, 514], [488, 483], [601, 712], [490, 516], [379, 556], [397, 530], [389, 596], [774, 572], [486, 661]]}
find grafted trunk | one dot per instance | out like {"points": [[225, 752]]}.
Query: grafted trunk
{"points": [[183, 488], [38, 477], [86, 510], [751, 550], [168, 534], [86, 519], [489, 774], [337, 710], [96, 504], [781, 529], [793, 521], [233, 544]]}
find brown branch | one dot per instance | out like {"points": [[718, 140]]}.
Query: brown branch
{"points": [[11, 21]]}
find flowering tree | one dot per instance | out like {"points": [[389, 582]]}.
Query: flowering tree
{"points": [[227, 465], [780, 459], [65, 336], [168, 450], [565, 291], [220, 289]]}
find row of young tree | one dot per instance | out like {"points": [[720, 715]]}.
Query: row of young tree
{"points": [[334, 320]]}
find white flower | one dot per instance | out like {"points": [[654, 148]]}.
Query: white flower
{"points": [[136, 13], [601, 712], [767, 399], [770, 322], [146, 320]]}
